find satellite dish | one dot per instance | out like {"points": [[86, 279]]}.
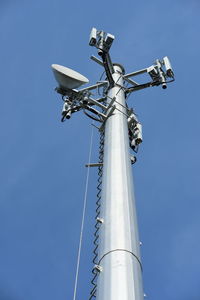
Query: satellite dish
{"points": [[67, 78]]}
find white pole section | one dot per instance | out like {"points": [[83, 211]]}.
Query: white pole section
{"points": [[119, 254]]}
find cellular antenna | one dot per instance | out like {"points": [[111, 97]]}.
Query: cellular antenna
{"points": [[117, 263]]}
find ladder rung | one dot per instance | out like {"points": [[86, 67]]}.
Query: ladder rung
{"points": [[94, 165]]}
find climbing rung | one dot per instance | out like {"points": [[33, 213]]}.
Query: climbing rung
{"points": [[94, 165]]}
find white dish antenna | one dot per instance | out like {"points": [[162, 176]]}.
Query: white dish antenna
{"points": [[68, 78]]}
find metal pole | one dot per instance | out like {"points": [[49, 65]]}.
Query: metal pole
{"points": [[116, 253], [119, 254]]}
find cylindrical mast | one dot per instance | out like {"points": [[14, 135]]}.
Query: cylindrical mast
{"points": [[116, 253], [119, 253]]}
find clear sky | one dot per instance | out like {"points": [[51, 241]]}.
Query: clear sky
{"points": [[42, 160]]}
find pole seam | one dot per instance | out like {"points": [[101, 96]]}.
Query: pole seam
{"points": [[115, 250]]}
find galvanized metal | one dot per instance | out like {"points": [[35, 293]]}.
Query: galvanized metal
{"points": [[119, 254]]}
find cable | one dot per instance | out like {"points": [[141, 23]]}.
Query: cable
{"points": [[97, 223], [92, 117], [83, 217]]}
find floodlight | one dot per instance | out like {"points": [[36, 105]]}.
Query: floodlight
{"points": [[67, 78]]}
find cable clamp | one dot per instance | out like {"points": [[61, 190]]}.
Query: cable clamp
{"points": [[98, 268], [100, 220], [133, 159]]}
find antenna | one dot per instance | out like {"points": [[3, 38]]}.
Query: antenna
{"points": [[67, 78], [117, 263]]}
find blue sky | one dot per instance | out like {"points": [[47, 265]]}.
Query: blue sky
{"points": [[42, 160]]}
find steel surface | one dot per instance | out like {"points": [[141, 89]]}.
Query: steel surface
{"points": [[119, 254]]}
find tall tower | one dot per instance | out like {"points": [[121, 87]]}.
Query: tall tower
{"points": [[117, 263]]}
